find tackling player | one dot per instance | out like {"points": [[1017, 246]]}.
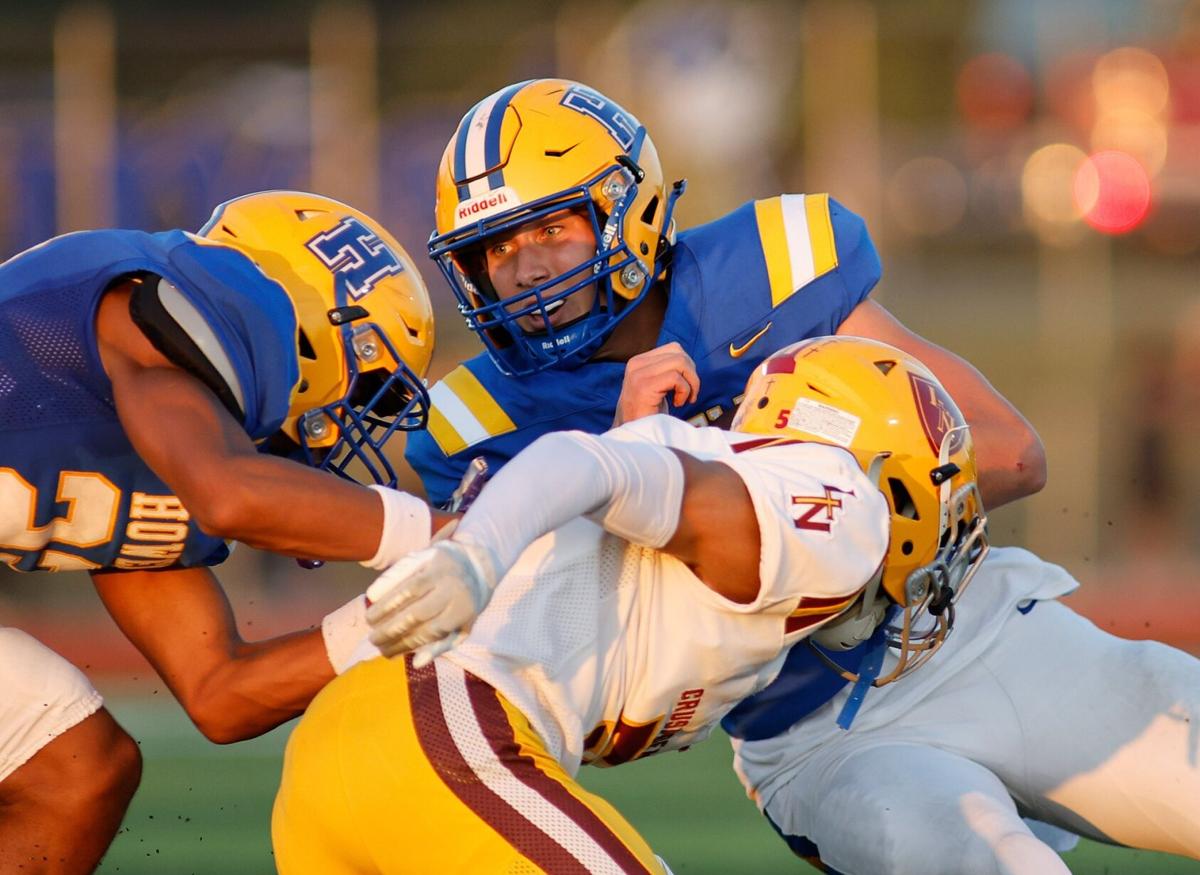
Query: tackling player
{"points": [[141, 378], [677, 567]]}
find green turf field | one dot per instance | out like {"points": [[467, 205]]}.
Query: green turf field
{"points": [[205, 809]]}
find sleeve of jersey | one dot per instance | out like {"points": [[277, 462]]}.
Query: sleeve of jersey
{"points": [[858, 261], [823, 526], [439, 473], [817, 255], [252, 320]]}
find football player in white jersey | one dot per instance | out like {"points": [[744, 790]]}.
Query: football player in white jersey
{"points": [[637, 585], [1028, 711]]}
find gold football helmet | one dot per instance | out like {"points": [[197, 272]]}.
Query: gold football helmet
{"points": [[530, 150], [893, 415], [365, 323]]}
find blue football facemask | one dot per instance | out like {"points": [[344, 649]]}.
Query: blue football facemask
{"points": [[515, 351], [377, 404]]}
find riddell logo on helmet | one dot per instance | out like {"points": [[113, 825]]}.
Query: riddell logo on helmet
{"points": [[485, 205]]}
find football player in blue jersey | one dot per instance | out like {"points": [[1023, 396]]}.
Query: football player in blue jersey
{"points": [[555, 231], [160, 396]]}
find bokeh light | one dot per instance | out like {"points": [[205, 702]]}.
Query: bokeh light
{"points": [[1132, 94], [1130, 77], [1112, 191], [1134, 132], [1047, 181]]}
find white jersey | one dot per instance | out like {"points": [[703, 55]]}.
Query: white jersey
{"points": [[615, 651]]}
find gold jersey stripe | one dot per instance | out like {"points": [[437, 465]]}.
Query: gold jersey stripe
{"points": [[796, 233], [444, 434], [464, 412], [773, 236], [479, 401], [820, 233]]}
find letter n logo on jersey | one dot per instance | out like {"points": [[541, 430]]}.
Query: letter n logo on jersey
{"points": [[820, 511], [357, 257], [938, 414]]}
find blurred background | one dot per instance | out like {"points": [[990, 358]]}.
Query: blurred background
{"points": [[1029, 169]]}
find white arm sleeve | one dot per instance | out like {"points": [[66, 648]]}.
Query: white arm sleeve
{"points": [[634, 489]]}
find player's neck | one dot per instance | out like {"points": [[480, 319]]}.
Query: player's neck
{"points": [[637, 332]]}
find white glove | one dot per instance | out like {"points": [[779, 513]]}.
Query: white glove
{"points": [[427, 601]]}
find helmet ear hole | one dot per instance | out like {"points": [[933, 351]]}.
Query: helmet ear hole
{"points": [[306, 347], [906, 548], [902, 501], [651, 211]]}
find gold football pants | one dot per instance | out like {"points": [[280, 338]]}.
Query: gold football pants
{"points": [[399, 770]]}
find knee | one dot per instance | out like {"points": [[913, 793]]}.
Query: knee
{"points": [[967, 833], [124, 768], [104, 767]]}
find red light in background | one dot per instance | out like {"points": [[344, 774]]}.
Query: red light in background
{"points": [[1112, 191]]}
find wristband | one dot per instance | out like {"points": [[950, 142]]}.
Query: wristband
{"points": [[343, 631], [406, 524]]}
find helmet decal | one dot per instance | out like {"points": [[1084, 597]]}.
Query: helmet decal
{"points": [[938, 414], [621, 124], [355, 255]]}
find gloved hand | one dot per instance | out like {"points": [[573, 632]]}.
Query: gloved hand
{"points": [[428, 600]]}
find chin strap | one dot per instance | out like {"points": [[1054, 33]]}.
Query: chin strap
{"points": [[867, 672]]}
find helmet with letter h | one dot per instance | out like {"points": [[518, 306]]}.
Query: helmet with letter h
{"points": [[907, 434], [365, 322], [524, 153]]}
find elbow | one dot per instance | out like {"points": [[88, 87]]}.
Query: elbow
{"points": [[220, 512], [218, 716], [220, 724], [1031, 465], [219, 732]]}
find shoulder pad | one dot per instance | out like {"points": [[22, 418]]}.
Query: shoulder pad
{"points": [[796, 234], [464, 413], [176, 329]]}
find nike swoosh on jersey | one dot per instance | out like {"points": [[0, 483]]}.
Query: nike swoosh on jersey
{"points": [[739, 351]]}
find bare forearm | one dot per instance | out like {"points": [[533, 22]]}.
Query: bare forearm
{"points": [[250, 695], [276, 505], [1009, 454], [183, 624]]}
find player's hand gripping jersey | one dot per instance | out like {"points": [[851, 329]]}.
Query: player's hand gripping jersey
{"points": [[772, 272], [615, 651], [73, 493]]}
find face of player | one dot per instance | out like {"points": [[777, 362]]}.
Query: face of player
{"points": [[535, 253]]}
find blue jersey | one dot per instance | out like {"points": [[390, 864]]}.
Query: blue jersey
{"points": [[73, 492], [768, 274], [771, 273]]}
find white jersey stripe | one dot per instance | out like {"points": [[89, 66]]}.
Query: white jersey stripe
{"points": [[795, 225], [460, 417], [474, 747]]}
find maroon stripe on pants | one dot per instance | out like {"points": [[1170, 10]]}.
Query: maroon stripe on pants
{"points": [[498, 732], [456, 773]]}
